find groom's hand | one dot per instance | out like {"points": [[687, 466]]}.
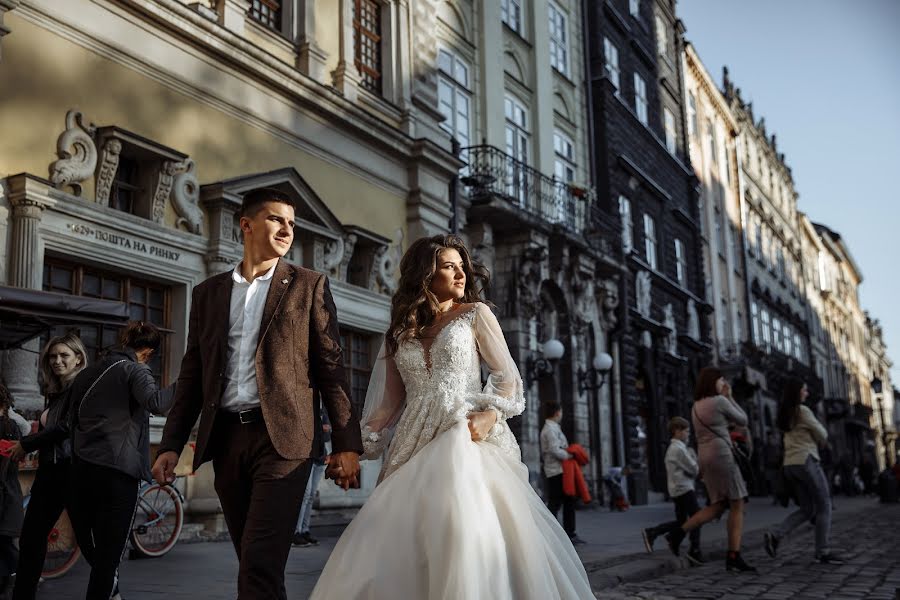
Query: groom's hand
{"points": [[480, 424], [164, 467], [343, 467]]}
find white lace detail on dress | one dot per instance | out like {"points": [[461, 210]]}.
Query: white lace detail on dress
{"points": [[438, 397]]}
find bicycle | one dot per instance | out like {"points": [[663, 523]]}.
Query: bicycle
{"points": [[155, 529]]}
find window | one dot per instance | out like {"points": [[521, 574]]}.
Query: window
{"points": [[564, 164], [692, 114], [147, 301], [680, 262], [766, 334], [640, 98], [798, 349], [754, 322], [627, 224], [758, 246], [788, 339], [511, 14], [367, 42], [733, 246], [559, 39], [518, 140], [669, 121], [358, 364], [612, 62], [662, 37], [125, 189], [634, 7], [266, 12], [454, 98], [650, 240], [779, 257], [776, 333], [712, 144]]}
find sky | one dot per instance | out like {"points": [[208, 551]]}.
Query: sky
{"points": [[825, 74]]}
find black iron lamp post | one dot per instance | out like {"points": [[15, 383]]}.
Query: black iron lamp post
{"points": [[535, 368], [594, 378]]}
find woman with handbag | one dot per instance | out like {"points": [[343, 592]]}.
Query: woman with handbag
{"points": [[714, 409], [803, 436]]}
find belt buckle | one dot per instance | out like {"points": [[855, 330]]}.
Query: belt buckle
{"points": [[241, 417]]}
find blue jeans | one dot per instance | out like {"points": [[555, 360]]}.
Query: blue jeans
{"points": [[315, 476], [811, 490]]}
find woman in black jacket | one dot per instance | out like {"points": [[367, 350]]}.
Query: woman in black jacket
{"points": [[111, 405], [60, 362]]}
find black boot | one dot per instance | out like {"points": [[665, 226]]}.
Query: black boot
{"points": [[734, 562], [674, 538]]}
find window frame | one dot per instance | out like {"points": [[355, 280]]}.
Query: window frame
{"points": [[680, 262], [460, 90], [651, 242], [671, 131], [563, 160], [640, 99], [559, 49], [610, 60], [662, 37], [692, 114], [517, 15], [371, 77], [625, 215]]}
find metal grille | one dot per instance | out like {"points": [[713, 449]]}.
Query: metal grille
{"points": [[367, 42]]}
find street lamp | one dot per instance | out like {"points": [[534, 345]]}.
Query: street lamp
{"points": [[600, 366], [535, 368]]}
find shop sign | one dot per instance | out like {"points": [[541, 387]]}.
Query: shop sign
{"points": [[123, 241]]}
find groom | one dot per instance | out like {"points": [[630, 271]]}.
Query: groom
{"points": [[263, 343]]}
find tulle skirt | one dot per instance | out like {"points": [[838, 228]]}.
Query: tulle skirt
{"points": [[459, 521]]}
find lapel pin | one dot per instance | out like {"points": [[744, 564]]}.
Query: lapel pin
{"points": [[284, 281]]}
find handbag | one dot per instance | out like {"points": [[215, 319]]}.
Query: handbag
{"points": [[741, 457]]}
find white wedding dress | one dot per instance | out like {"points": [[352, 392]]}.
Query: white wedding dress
{"points": [[451, 519]]}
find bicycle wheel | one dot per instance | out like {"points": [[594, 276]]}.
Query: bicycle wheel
{"points": [[62, 550], [157, 520]]}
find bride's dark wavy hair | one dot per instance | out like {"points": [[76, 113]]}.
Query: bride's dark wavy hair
{"points": [[414, 306]]}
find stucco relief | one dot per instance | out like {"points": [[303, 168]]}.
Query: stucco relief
{"points": [[643, 286], [109, 162], [164, 180], [77, 153], [349, 245], [528, 280], [672, 335], [387, 259], [608, 295], [186, 196], [693, 328]]}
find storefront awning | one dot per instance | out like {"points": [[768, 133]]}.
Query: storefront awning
{"points": [[25, 314]]}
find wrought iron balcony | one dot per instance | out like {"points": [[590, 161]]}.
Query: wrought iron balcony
{"points": [[493, 174]]}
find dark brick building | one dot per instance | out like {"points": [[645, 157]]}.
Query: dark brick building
{"points": [[644, 179]]}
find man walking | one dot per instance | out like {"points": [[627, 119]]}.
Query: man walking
{"points": [[263, 342]]}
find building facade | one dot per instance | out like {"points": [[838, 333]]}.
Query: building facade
{"points": [[156, 116], [883, 397], [645, 177]]}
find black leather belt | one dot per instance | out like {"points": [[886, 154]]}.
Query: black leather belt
{"points": [[244, 417]]}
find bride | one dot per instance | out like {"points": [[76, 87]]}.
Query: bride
{"points": [[453, 515]]}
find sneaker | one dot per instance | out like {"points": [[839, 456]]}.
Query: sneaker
{"points": [[576, 541], [299, 540], [695, 557], [735, 562], [771, 543], [649, 538], [309, 538], [829, 559], [674, 538]]}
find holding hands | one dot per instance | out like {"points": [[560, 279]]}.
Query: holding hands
{"points": [[343, 467]]}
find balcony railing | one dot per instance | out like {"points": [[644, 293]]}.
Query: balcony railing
{"points": [[492, 173]]}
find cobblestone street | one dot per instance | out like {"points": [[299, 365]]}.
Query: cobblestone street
{"points": [[868, 540]]}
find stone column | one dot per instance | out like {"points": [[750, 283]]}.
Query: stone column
{"points": [[311, 59], [225, 247], [28, 199], [346, 77], [232, 14]]}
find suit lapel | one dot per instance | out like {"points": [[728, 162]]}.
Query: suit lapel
{"points": [[281, 281], [220, 309]]}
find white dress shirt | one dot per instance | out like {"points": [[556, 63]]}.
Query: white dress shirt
{"points": [[244, 318], [553, 447]]}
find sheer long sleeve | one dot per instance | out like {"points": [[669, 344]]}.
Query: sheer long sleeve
{"points": [[503, 390], [385, 401]]}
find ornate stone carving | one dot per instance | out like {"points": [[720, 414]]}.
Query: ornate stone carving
{"points": [[109, 162], [349, 246], [528, 281], [164, 181], [77, 153], [693, 328], [643, 286], [185, 197], [672, 335], [333, 255], [387, 258], [608, 296]]}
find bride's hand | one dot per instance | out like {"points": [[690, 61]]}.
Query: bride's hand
{"points": [[480, 424]]}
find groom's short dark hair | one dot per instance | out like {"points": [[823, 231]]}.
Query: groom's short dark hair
{"points": [[253, 200]]}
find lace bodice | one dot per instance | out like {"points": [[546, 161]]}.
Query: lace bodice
{"points": [[429, 385]]}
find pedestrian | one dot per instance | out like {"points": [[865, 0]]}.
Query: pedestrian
{"points": [[61, 360], [263, 343], [867, 474], [681, 471], [615, 484], [803, 435], [111, 405], [302, 536], [554, 451], [11, 513], [714, 409]]}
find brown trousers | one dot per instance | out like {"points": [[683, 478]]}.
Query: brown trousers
{"points": [[261, 494]]}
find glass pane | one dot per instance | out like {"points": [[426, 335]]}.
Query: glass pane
{"points": [[112, 289], [157, 297], [138, 294], [61, 279], [461, 73], [136, 312], [110, 337], [445, 61], [90, 285], [156, 317]]}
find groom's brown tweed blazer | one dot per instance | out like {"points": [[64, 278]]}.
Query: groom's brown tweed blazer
{"points": [[298, 357]]}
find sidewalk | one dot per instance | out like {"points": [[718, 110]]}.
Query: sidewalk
{"points": [[614, 554]]}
